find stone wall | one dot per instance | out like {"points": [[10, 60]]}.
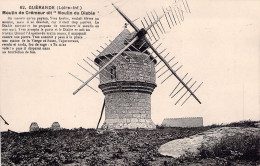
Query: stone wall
{"points": [[132, 66], [183, 122], [128, 93], [128, 110]]}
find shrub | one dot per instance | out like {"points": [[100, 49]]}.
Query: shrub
{"points": [[160, 126], [237, 147], [247, 123], [141, 161]]}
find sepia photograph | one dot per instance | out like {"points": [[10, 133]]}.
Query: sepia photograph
{"points": [[138, 83]]}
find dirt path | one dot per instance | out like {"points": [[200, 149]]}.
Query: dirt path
{"points": [[179, 147]]}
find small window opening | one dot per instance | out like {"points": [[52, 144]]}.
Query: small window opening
{"points": [[113, 72], [128, 59]]}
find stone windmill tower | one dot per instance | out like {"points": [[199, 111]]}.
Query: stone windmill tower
{"points": [[127, 86], [127, 71]]}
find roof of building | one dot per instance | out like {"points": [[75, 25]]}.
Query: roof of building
{"points": [[116, 45]]}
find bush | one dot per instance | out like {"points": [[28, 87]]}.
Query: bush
{"points": [[118, 147], [237, 147], [247, 123], [160, 126]]}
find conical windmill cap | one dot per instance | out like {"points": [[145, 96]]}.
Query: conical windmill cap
{"points": [[115, 46]]}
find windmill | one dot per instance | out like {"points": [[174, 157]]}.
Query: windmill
{"points": [[128, 67]]}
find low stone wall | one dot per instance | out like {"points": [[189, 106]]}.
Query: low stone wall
{"points": [[183, 122]]}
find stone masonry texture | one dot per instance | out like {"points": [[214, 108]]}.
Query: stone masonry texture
{"points": [[183, 122], [127, 84]]}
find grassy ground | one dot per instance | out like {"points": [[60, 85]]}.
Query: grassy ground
{"points": [[119, 147]]}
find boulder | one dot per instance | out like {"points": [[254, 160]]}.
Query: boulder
{"points": [[55, 126], [34, 127], [177, 148]]}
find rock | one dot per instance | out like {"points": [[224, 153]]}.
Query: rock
{"points": [[179, 147], [55, 126], [34, 127]]}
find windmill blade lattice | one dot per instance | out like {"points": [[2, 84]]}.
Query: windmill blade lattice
{"points": [[137, 41]]}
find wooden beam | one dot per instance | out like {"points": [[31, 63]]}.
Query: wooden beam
{"points": [[4, 120], [126, 18], [174, 73], [108, 63], [101, 113]]}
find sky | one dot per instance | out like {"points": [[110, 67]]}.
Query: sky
{"points": [[217, 44]]}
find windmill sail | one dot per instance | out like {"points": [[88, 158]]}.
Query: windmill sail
{"points": [[144, 31], [94, 75], [137, 41]]}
